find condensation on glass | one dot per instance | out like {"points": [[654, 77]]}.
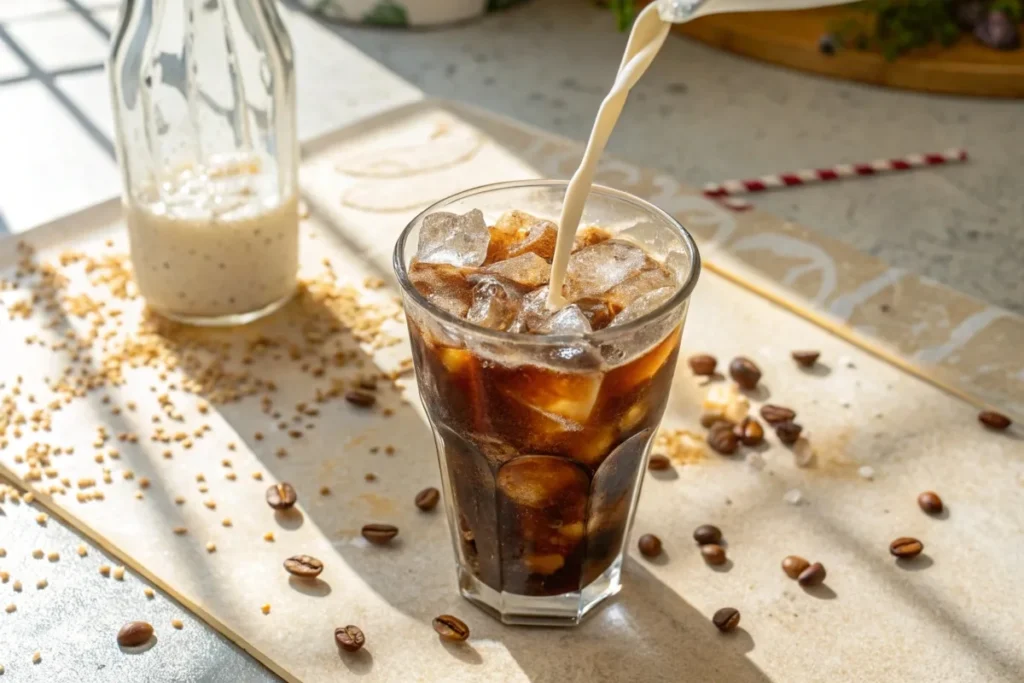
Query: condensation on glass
{"points": [[204, 110]]}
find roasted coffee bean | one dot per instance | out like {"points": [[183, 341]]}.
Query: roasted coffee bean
{"points": [[379, 534], [349, 638], [750, 431], [788, 432], [658, 463], [813, 575], [713, 553], [722, 439], [930, 502], [426, 499], [451, 628], [906, 548], [134, 633], [363, 399], [744, 372], [774, 415], [794, 565], [726, 619], [305, 566], [707, 533], [649, 545], [702, 364], [994, 420], [281, 496], [806, 358]]}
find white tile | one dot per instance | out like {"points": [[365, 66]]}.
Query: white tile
{"points": [[59, 41]]}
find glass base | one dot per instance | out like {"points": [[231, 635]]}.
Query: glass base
{"points": [[567, 609], [229, 320]]}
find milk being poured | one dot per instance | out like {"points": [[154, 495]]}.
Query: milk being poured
{"points": [[649, 32]]}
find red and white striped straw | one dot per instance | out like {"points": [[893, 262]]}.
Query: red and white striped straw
{"points": [[730, 188]]}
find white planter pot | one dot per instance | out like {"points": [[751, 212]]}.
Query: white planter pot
{"points": [[403, 13]]}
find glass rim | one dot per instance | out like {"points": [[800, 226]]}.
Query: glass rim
{"points": [[676, 300]]}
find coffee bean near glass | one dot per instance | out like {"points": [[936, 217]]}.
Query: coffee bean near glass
{"points": [[543, 419]]}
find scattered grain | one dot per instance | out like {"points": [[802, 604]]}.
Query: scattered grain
{"points": [[119, 573], [265, 608]]}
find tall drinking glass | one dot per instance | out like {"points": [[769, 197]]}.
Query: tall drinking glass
{"points": [[543, 440]]}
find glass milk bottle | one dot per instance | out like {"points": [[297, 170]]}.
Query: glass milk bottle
{"points": [[204, 110]]}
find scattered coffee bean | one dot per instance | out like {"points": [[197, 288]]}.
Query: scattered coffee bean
{"points": [[794, 565], [722, 439], [426, 499], [134, 633], [281, 496], [703, 365], [774, 414], [994, 420], [349, 638], [713, 553], [806, 358], [813, 575], [930, 502], [451, 628], [906, 548], [788, 432], [706, 534], [749, 432], [379, 534], [744, 372], [658, 463], [305, 566], [649, 545], [363, 399], [726, 619]]}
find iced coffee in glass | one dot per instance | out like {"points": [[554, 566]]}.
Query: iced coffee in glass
{"points": [[543, 418]]}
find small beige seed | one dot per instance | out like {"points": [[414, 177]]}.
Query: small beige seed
{"points": [[41, 584], [41, 518], [265, 608], [269, 537], [37, 554], [180, 530], [177, 623], [211, 547], [258, 476], [37, 657], [11, 607], [179, 500], [210, 504], [138, 495], [119, 573], [4, 577], [28, 497], [82, 550], [3, 552], [148, 592], [16, 586], [53, 556], [105, 570], [226, 521]]}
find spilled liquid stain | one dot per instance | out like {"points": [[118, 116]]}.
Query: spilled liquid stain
{"points": [[377, 505]]}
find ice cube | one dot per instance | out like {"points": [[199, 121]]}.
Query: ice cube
{"points": [[541, 481], [540, 239], [515, 221], [445, 286], [643, 305], [654, 238], [454, 240], [528, 270], [679, 263], [589, 236], [596, 269], [534, 311], [569, 320], [596, 310], [495, 304], [625, 293]]}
